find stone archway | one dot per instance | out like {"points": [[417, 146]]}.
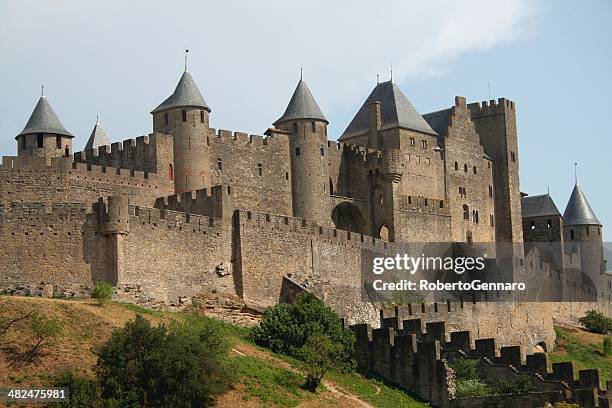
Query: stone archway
{"points": [[383, 232], [347, 216]]}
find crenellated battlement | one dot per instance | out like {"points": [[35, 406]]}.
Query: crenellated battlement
{"points": [[42, 211], [490, 108], [215, 202], [423, 205], [271, 222], [273, 140]]}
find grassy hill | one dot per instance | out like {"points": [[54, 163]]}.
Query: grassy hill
{"points": [[265, 379]]}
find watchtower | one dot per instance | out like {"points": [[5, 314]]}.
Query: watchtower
{"points": [[184, 115], [307, 129]]}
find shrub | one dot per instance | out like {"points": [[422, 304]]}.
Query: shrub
{"points": [[596, 322], [471, 388], [465, 369], [285, 328], [44, 329], [183, 365], [319, 355], [607, 346], [519, 385], [84, 391], [102, 292]]}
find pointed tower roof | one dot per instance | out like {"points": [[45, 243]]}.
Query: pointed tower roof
{"points": [[395, 111], [578, 210], [302, 106], [98, 137], [186, 94], [44, 120]]}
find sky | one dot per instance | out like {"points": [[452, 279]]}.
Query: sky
{"points": [[120, 59]]}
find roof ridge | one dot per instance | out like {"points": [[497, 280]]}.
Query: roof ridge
{"points": [[185, 94], [302, 105]]}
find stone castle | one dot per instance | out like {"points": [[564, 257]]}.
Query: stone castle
{"points": [[188, 209]]}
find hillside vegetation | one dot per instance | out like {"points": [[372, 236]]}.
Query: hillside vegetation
{"points": [[263, 378]]}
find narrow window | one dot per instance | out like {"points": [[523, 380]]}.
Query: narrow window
{"points": [[313, 126], [166, 119], [58, 141], [441, 203], [322, 152], [532, 225], [477, 217], [461, 191], [474, 169], [456, 166], [512, 156], [491, 219], [427, 161], [259, 170], [297, 151], [465, 168], [23, 142], [412, 141], [588, 232], [598, 231], [409, 199], [39, 140], [219, 164], [418, 159], [229, 190], [331, 186], [490, 190], [202, 116], [424, 144], [295, 127], [67, 151], [466, 212], [170, 172], [489, 165], [184, 115], [286, 175], [548, 224], [572, 236], [426, 202]]}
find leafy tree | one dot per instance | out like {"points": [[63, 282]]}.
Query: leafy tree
{"points": [[102, 292], [285, 328], [607, 346], [183, 365], [471, 388], [465, 368], [84, 391], [44, 329], [596, 322], [319, 355]]}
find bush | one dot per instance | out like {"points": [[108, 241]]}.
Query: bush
{"points": [[181, 366], [596, 322], [465, 369], [285, 328], [44, 329], [471, 388], [519, 385], [102, 292], [607, 346], [319, 355], [84, 391]]}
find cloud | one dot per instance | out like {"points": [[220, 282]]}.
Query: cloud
{"points": [[120, 59]]}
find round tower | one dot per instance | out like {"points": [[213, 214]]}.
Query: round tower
{"points": [[582, 229], [307, 128], [44, 135], [184, 115]]}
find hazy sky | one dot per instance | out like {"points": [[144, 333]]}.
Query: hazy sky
{"points": [[120, 59]]}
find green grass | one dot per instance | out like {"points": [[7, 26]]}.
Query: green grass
{"points": [[270, 384], [142, 310], [584, 355], [366, 387]]}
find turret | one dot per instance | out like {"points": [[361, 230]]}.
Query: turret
{"points": [[582, 229], [98, 137], [44, 135], [184, 115], [307, 128]]}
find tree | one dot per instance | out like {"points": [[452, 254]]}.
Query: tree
{"points": [[285, 328], [44, 329], [607, 346], [183, 365], [596, 322], [84, 391], [319, 354], [102, 292]]}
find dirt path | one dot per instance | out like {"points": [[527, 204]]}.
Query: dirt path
{"points": [[351, 399]]}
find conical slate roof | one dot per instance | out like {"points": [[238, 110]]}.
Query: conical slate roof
{"points": [[539, 206], [44, 120], [578, 210], [98, 137], [395, 111], [186, 94], [302, 105]]}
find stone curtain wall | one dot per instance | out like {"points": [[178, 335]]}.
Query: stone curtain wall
{"points": [[58, 180]]}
